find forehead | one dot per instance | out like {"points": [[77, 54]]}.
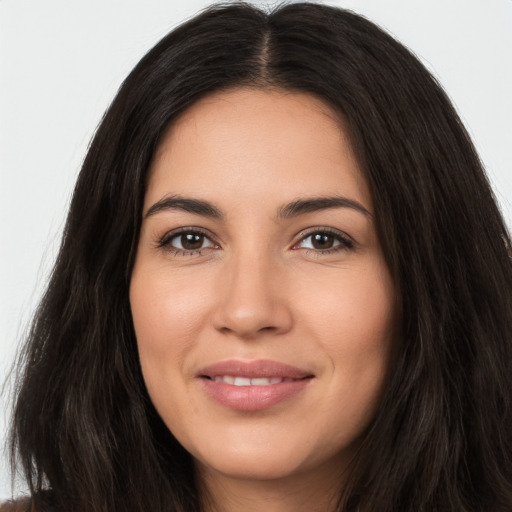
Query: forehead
{"points": [[244, 140]]}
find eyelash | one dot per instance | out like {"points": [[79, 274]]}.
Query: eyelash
{"points": [[345, 242], [165, 241]]}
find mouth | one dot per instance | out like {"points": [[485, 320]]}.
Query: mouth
{"points": [[253, 385], [247, 381]]}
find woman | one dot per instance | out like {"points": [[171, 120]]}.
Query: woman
{"points": [[284, 284]]}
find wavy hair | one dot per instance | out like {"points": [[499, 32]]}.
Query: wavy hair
{"points": [[84, 430]]}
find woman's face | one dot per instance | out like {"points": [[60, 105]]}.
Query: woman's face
{"points": [[262, 305]]}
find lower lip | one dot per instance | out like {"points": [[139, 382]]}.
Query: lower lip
{"points": [[253, 398]]}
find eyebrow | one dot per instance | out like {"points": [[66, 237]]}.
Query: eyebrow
{"points": [[290, 210], [197, 206], [302, 206]]}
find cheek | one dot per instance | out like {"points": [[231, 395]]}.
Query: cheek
{"points": [[353, 311], [353, 323], [362, 324], [166, 316]]}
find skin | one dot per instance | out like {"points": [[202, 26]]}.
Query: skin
{"points": [[260, 288]]}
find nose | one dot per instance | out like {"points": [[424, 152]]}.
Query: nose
{"points": [[253, 301]]}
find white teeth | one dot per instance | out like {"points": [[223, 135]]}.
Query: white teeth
{"points": [[245, 381], [242, 381], [260, 382]]}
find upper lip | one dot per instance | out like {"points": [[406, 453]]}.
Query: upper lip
{"points": [[261, 368]]}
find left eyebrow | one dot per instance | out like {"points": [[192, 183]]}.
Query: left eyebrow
{"points": [[302, 206]]}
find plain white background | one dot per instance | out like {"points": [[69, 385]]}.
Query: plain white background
{"points": [[61, 62]]}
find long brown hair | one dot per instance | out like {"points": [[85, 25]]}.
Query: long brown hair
{"points": [[84, 430]]}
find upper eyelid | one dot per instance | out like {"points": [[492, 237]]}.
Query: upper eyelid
{"points": [[323, 229], [189, 229]]}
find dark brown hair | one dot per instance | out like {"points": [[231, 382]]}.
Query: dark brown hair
{"points": [[84, 429]]}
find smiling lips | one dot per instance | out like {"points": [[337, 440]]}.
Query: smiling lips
{"points": [[252, 386]]}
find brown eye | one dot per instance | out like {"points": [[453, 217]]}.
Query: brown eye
{"points": [[325, 241], [191, 241], [188, 241], [322, 241]]}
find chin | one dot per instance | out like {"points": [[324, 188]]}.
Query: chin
{"points": [[264, 460], [253, 467]]}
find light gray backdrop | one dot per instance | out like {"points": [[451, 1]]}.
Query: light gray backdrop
{"points": [[61, 62]]}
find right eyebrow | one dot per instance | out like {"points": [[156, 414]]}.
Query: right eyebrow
{"points": [[176, 202]]}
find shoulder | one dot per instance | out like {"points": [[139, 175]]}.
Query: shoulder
{"points": [[21, 505], [42, 502]]}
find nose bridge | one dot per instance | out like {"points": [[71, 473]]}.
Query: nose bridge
{"points": [[252, 299]]}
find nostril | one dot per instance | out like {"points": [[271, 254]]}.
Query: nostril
{"points": [[237, 315]]}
